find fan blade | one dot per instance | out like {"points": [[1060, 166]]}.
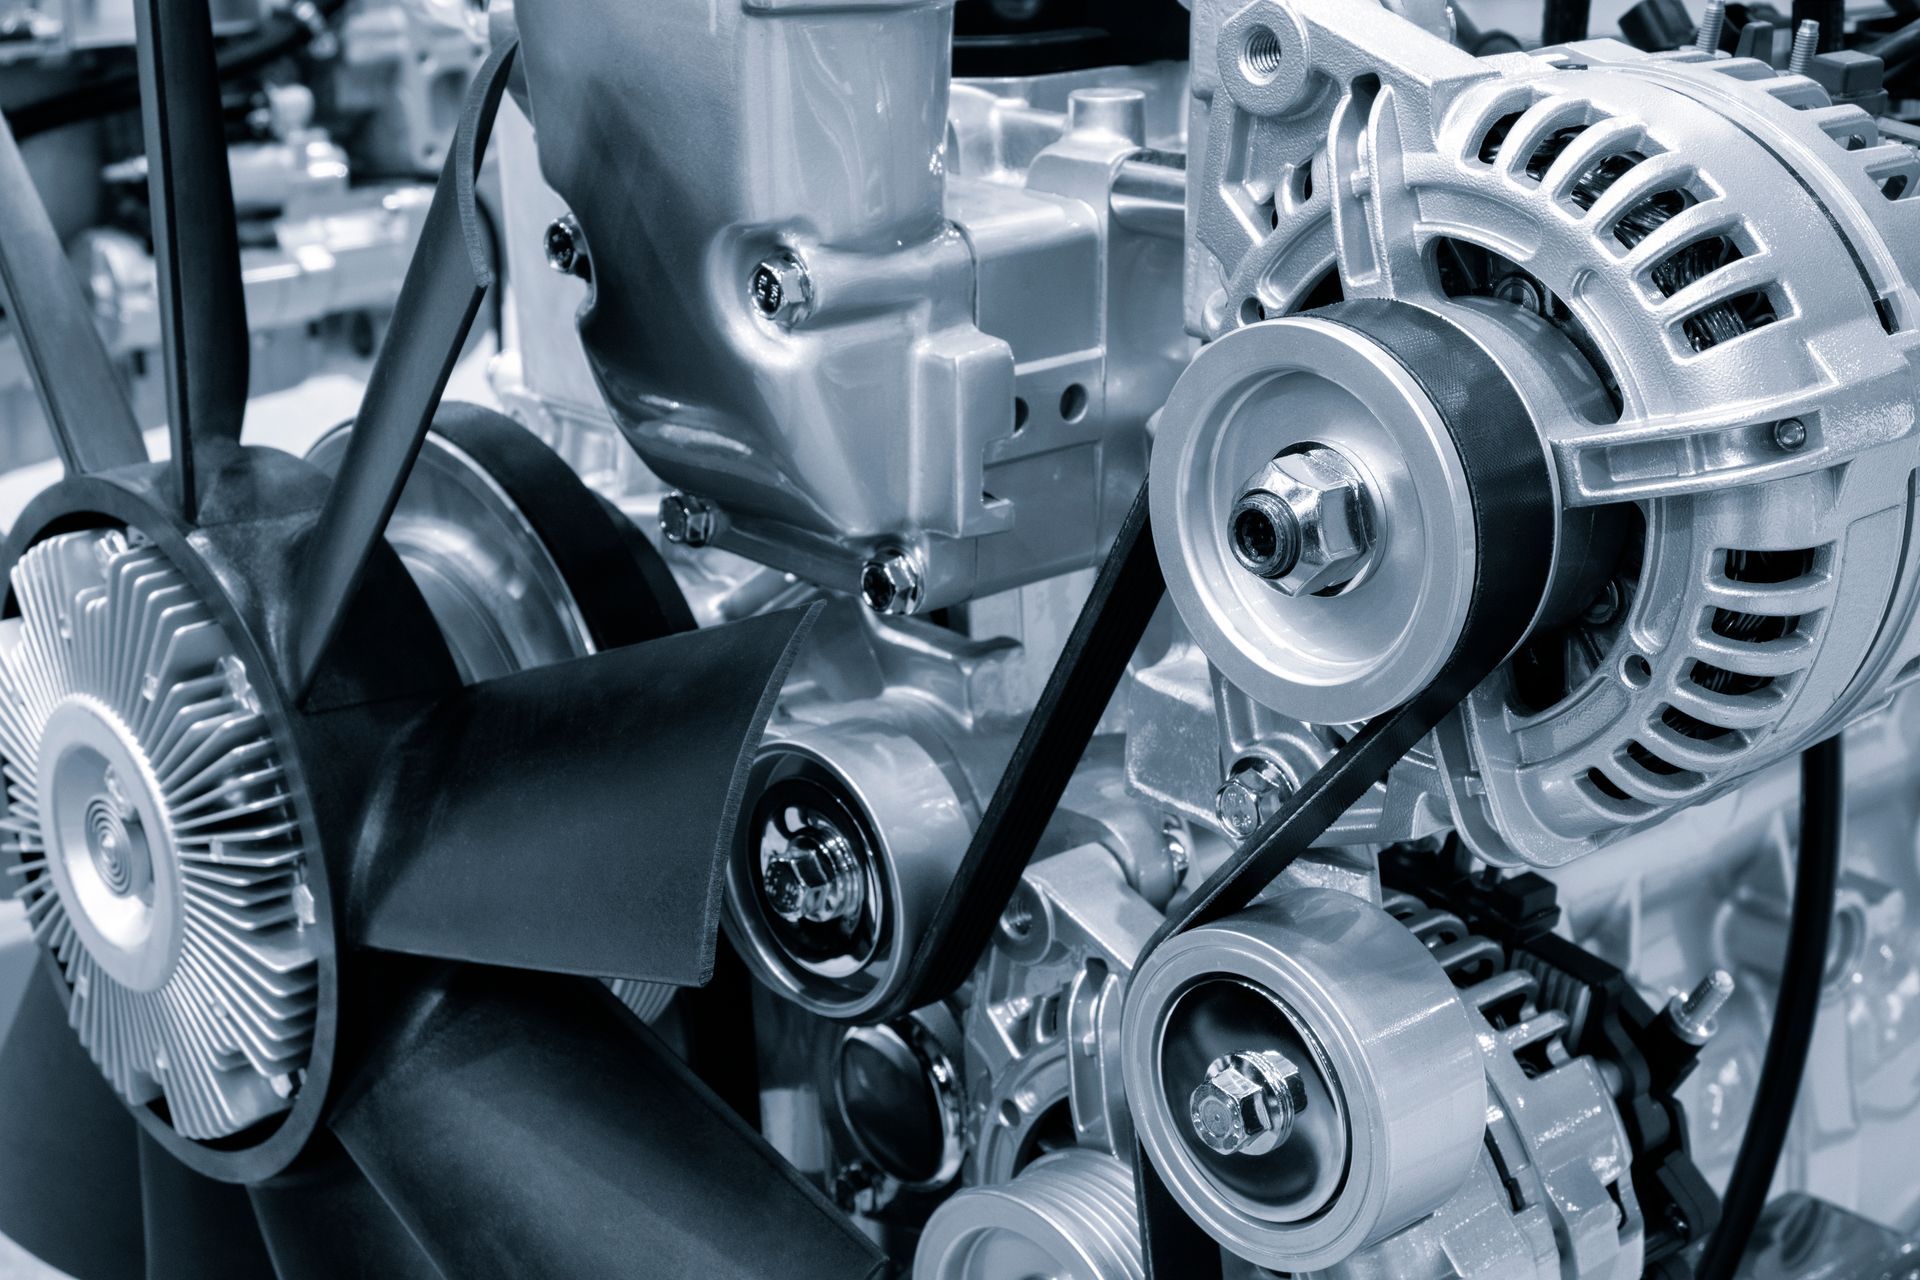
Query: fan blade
{"points": [[196, 245], [575, 817], [326, 1222], [69, 1159], [450, 273], [93, 428], [197, 1228], [514, 1116]]}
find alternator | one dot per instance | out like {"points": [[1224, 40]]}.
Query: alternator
{"points": [[1686, 266]]}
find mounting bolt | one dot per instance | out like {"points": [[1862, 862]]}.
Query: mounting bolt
{"points": [[890, 582], [1789, 435], [1692, 1015], [816, 877], [1252, 793], [1247, 1103], [780, 289], [1806, 43], [1708, 39], [566, 247], [688, 520]]}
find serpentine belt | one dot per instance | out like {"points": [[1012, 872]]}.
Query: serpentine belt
{"points": [[1515, 521]]}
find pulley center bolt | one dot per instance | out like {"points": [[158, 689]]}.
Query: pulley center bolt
{"points": [[816, 877], [1304, 522], [1247, 1103], [1265, 534]]}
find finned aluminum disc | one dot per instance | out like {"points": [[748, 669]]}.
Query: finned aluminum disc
{"points": [[150, 827]]}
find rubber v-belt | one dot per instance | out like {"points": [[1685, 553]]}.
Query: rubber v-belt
{"points": [[1515, 521]]}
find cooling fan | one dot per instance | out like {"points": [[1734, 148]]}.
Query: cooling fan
{"points": [[321, 922]]}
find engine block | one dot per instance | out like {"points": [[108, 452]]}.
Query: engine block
{"points": [[1232, 639]]}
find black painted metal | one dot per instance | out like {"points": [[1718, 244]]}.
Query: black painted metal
{"points": [[196, 1228], [1562, 21], [93, 429], [1515, 522], [573, 817], [450, 273], [1111, 622], [524, 1122], [67, 1149], [196, 245]]}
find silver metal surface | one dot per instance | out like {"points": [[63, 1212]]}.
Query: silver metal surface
{"points": [[1068, 1216], [144, 792], [1293, 386], [919, 329], [1734, 610], [494, 589], [1246, 1104], [1395, 1093]]}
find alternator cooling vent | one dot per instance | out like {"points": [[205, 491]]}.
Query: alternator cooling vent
{"points": [[152, 835]]}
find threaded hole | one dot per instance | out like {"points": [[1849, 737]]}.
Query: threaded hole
{"points": [[1261, 55]]}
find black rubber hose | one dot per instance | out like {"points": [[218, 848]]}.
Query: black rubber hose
{"points": [[1897, 46], [280, 37], [1822, 807]]}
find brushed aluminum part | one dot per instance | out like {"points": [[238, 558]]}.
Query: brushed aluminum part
{"points": [[152, 837], [1068, 1216], [499, 599], [921, 331], [1720, 246], [1044, 1015], [1281, 387], [1550, 1197], [1395, 1094]]}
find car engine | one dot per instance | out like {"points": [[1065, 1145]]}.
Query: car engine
{"points": [[1063, 641]]}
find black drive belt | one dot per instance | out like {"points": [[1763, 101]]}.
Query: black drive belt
{"points": [[1514, 521]]}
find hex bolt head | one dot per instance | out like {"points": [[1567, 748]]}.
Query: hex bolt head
{"points": [[566, 246], [1303, 522], [1252, 793], [891, 583], [780, 289], [688, 520], [1247, 1103], [816, 877]]}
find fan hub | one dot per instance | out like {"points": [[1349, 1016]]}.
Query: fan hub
{"points": [[160, 858], [109, 850]]}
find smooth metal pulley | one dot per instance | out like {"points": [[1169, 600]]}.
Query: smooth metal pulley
{"points": [[1318, 1006]]}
